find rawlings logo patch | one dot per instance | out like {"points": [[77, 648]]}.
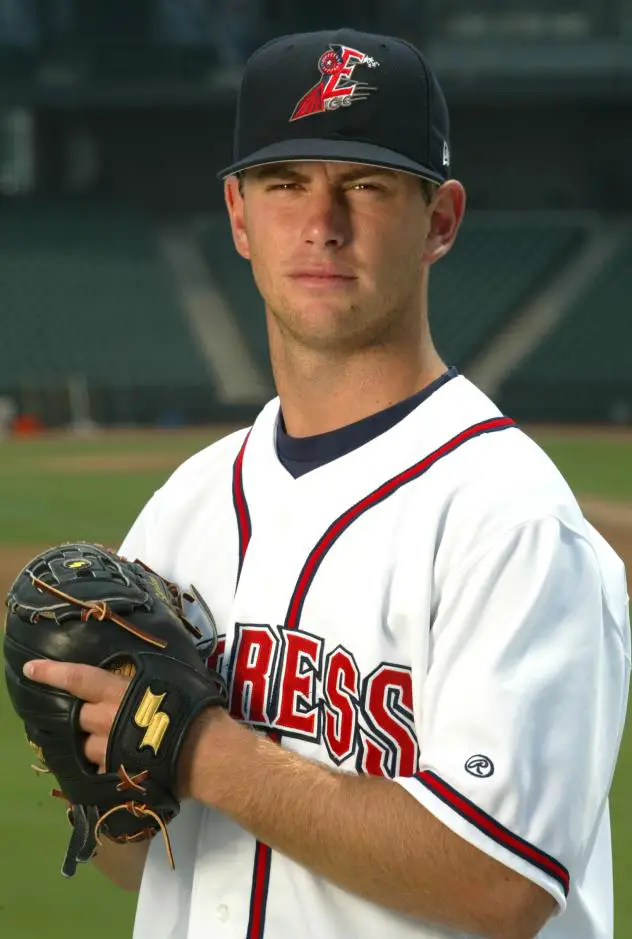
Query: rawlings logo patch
{"points": [[336, 88]]}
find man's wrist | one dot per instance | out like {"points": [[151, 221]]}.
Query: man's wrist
{"points": [[204, 755]]}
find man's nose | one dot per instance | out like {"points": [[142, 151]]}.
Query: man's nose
{"points": [[327, 222]]}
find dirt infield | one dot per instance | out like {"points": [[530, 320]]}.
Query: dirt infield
{"points": [[12, 560], [612, 519], [111, 462], [213, 431]]}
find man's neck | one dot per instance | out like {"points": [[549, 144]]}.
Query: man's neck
{"points": [[320, 393]]}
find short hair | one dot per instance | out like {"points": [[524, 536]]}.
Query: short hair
{"points": [[428, 186]]}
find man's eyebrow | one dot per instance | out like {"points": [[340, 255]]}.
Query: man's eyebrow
{"points": [[289, 171], [277, 171], [364, 172]]}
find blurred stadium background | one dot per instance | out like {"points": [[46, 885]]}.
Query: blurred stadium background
{"points": [[131, 333]]}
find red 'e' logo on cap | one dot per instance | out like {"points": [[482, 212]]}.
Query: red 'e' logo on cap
{"points": [[336, 89]]}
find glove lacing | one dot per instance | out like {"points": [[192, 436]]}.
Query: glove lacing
{"points": [[137, 809], [99, 610]]}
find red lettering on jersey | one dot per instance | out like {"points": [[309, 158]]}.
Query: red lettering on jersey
{"points": [[390, 747], [215, 660], [297, 711], [252, 669], [340, 689], [373, 756]]}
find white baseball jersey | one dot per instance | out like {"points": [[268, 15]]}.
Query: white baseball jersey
{"points": [[431, 607]]}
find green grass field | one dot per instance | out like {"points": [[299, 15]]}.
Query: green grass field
{"points": [[45, 500]]}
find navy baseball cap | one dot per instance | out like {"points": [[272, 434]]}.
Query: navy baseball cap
{"points": [[342, 95]]}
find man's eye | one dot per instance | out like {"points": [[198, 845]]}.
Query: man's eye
{"points": [[283, 187], [366, 187]]}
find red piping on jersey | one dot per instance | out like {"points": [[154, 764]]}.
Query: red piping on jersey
{"points": [[263, 854], [241, 506], [334, 531], [259, 891], [493, 829]]}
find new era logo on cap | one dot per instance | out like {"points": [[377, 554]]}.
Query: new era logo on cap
{"points": [[343, 96]]}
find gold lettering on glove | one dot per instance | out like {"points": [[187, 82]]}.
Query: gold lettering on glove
{"points": [[154, 722]]}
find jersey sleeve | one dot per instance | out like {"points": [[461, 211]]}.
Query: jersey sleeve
{"points": [[137, 542], [521, 715]]}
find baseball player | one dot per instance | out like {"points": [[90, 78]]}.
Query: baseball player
{"points": [[426, 644]]}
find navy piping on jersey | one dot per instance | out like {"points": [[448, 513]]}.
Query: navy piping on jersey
{"points": [[300, 455], [493, 829], [259, 891], [263, 853]]}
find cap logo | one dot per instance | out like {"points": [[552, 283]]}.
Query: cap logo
{"points": [[446, 154], [336, 89]]}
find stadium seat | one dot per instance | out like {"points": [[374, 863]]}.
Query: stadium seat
{"points": [[585, 364], [233, 277], [85, 292], [497, 264]]}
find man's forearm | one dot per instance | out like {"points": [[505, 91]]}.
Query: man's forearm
{"points": [[366, 834], [123, 864]]}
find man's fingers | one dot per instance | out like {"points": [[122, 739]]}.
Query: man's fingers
{"points": [[94, 749], [83, 681], [97, 718]]}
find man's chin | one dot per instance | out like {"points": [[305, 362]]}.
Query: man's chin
{"points": [[330, 304], [322, 320], [330, 333]]}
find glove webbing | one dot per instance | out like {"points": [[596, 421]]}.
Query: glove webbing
{"points": [[99, 610]]}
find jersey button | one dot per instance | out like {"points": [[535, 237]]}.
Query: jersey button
{"points": [[222, 913]]}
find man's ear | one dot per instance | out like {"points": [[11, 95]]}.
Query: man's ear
{"points": [[446, 214], [235, 207]]}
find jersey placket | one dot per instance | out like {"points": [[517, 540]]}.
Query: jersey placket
{"points": [[263, 854]]}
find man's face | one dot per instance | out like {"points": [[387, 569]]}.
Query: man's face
{"points": [[337, 249]]}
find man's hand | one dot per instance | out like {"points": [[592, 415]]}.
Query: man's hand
{"points": [[102, 691], [106, 672]]}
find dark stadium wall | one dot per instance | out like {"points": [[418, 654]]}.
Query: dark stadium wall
{"points": [[525, 155], [164, 159], [545, 156]]}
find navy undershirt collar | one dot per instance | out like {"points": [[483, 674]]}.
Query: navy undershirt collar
{"points": [[300, 455]]}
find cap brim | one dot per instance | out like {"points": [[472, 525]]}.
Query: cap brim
{"points": [[335, 151]]}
